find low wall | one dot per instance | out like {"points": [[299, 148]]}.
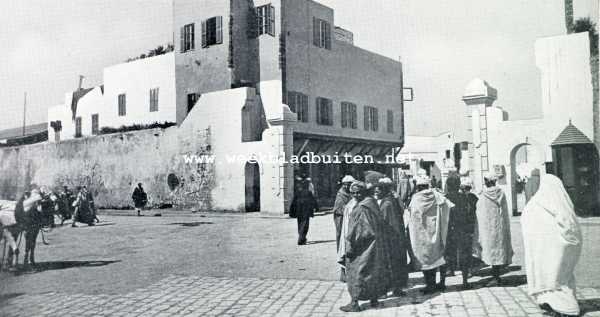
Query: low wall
{"points": [[112, 165]]}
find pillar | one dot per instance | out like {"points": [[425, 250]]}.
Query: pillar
{"points": [[478, 97]]}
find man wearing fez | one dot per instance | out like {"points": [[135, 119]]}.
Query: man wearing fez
{"points": [[494, 228], [428, 224], [393, 222], [364, 255]]}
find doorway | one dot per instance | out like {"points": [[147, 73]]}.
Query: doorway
{"points": [[252, 187]]}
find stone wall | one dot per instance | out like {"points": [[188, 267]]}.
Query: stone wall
{"points": [[112, 165]]}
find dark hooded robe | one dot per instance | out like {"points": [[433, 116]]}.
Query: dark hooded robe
{"points": [[341, 199], [494, 227], [393, 223], [365, 255], [461, 226]]}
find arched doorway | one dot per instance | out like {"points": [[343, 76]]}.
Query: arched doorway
{"points": [[524, 157], [252, 187]]}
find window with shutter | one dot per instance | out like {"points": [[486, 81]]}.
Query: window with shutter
{"points": [[367, 118], [154, 100], [78, 127], [122, 102], [187, 38], [348, 115], [212, 31], [390, 121], [316, 32], [324, 109]]}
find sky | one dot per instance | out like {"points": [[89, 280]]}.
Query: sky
{"points": [[443, 44]]}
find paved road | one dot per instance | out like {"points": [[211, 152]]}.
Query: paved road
{"points": [[239, 265]]}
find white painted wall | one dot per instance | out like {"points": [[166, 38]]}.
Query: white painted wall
{"points": [[221, 112], [135, 79], [566, 84]]}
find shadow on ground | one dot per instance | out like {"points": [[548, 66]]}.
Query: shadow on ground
{"points": [[589, 305], [320, 241], [6, 297], [60, 265], [192, 224]]}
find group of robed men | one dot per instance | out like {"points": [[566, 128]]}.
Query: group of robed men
{"points": [[442, 233]]}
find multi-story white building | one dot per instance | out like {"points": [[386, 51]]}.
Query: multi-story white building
{"points": [[346, 99]]}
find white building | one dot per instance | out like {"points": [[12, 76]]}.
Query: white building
{"points": [[137, 92]]}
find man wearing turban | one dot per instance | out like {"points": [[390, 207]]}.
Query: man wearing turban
{"points": [[428, 225], [364, 251], [493, 223]]}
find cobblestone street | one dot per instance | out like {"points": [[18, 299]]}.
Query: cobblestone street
{"points": [[210, 296], [123, 269]]}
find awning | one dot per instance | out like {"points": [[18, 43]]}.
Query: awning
{"points": [[332, 145]]}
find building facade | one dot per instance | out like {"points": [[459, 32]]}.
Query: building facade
{"points": [[346, 100]]}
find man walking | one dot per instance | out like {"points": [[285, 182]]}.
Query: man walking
{"points": [[428, 224], [364, 255], [494, 228], [303, 207], [140, 198], [341, 199]]}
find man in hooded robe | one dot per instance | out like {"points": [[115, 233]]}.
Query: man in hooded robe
{"points": [[303, 207], [428, 224], [493, 223], [341, 199], [552, 243], [364, 251], [393, 222], [461, 228], [404, 190]]}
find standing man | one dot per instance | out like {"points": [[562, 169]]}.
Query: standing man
{"points": [[428, 224], [304, 205], [83, 208], [494, 228], [140, 198], [365, 257], [461, 228], [341, 199], [404, 190], [393, 223]]}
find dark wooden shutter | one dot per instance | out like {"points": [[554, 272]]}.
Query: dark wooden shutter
{"points": [[344, 114], [316, 32], [272, 20], [354, 115], [390, 121], [375, 119], [219, 30], [181, 40], [192, 37], [204, 34], [329, 112], [366, 118], [327, 28], [304, 108], [318, 110]]}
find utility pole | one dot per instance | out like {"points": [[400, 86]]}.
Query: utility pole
{"points": [[24, 112]]}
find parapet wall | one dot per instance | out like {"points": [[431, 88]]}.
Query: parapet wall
{"points": [[112, 165]]}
